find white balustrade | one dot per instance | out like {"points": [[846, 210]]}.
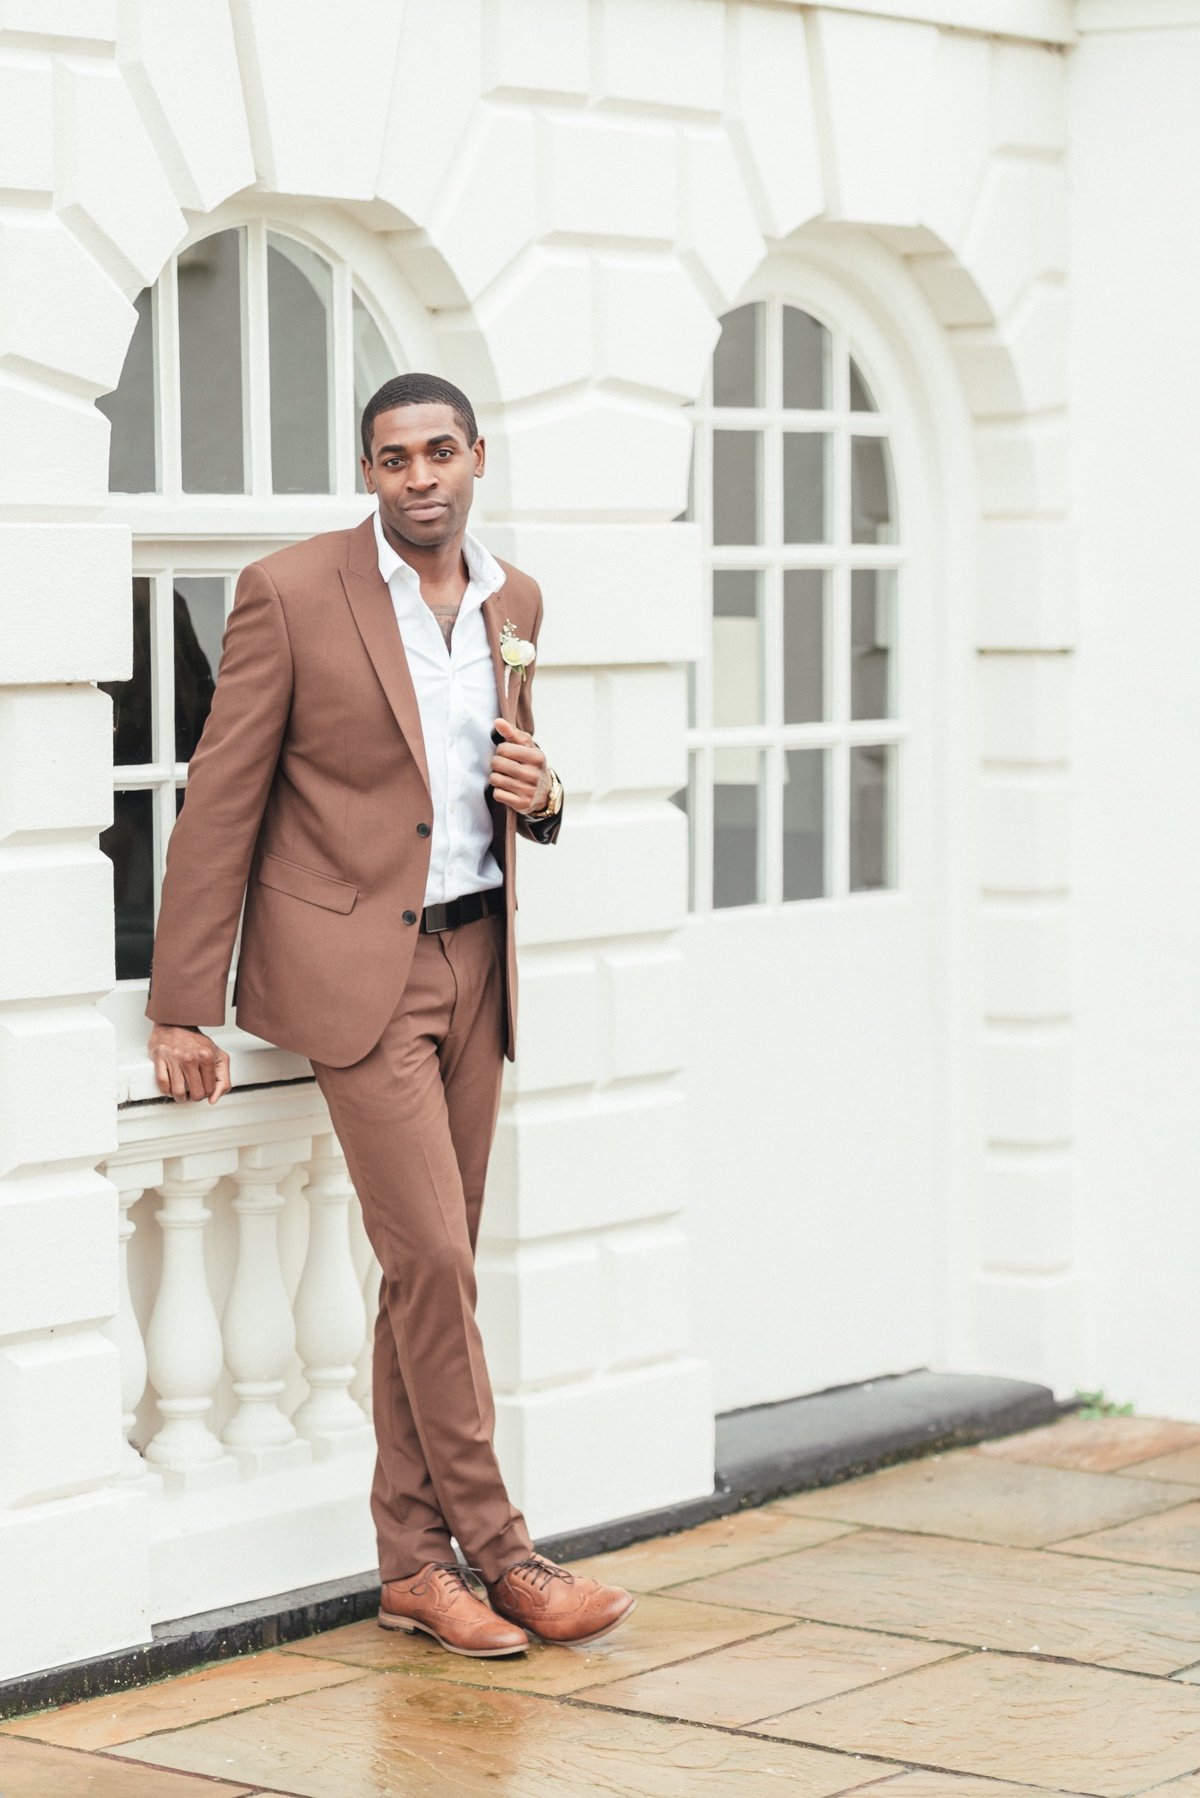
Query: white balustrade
{"points": [[183, 1342], [259, 1333], [329, 1309], [131, 1181]]}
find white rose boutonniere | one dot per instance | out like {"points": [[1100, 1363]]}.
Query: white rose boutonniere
{"points": [[515, 652]]}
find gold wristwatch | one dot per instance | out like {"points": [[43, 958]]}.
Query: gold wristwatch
{"points": [[553, 804]]}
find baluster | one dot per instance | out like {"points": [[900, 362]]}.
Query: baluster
{"points": [[183, 1342], [260, 1336], [329, 1308], [131, 1181]]}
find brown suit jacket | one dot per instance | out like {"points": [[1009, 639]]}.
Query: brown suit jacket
{"points": [[308, 796]]}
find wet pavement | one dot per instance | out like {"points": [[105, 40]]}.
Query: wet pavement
{"points": [[1020, 1620]]}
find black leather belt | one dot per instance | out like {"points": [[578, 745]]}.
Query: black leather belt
{"points": [[467, 910]]}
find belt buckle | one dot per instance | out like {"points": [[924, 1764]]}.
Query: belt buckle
{"points": [[441, 911]]}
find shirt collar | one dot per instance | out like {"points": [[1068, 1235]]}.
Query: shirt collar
{"points": [[482, 567]]}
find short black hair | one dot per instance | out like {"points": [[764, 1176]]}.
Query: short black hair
{"points": [[418, 390]]}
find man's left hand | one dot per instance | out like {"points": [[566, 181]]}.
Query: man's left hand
{"points": [[519, 774]]}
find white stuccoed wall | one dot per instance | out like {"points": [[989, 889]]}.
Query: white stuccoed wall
{"points": [[612, 176], [1135, 376]]}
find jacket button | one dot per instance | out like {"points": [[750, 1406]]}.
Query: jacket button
{"points": [[410, 917], [422, 830]]}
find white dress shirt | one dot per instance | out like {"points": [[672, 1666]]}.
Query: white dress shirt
{"points": [[457, 700]]}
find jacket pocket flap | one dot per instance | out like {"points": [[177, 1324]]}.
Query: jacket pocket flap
{"points": [[307, 883]]}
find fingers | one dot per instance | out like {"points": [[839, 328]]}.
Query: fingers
{"points": [[198, 1072], [511, 732], [222, 1083], [520, 755]]}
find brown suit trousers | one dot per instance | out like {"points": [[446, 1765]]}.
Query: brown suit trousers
{"points": [[308, 797]]}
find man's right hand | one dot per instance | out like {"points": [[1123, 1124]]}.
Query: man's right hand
{"points": [[188, 1064]]}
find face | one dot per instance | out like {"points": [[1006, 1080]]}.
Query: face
{"points": [[424, 471]]}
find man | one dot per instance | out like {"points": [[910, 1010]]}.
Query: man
{"points": [[355, 786]]}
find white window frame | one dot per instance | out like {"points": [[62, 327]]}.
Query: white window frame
{"points": [[178, 533], [838, 557]]}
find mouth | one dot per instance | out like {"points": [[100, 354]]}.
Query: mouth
{"points": [[426, 512]]}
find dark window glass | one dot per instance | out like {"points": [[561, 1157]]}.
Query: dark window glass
{"points": [[737, 359], [871, 780], [860, 393], [132, 464], [300, 310], [210, 365], [805, 487], [737, 483], [129, 841], [199, 623], [805, 362], [871, 491], [132, 733], [737, 810], [803, 645], [804, 824], [872, 632]]}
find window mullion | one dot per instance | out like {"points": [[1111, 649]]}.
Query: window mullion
{"points": [[256, 361], [341, 383], [162, 702], [166, 376]]}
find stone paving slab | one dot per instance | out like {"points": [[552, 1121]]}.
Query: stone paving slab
{"points": [[386, 1736], [209, 1692], [976, 1595], [982, 1500], [36, 1770], [660, 1630], [1096, 1444], [1109, 1734], [810, 1648]]}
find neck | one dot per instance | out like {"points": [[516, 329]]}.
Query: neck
{"points": [[432, 561]]}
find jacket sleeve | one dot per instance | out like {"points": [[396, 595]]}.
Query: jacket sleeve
{"points": [[229, 778], [543, 830]]}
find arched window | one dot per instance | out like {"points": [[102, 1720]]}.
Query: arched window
{"points": [[794, 711], [234, 430]]}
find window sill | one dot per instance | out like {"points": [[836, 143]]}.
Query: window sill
{"points": [[252, 1063]]}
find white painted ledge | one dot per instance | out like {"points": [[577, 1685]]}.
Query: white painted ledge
{"points": [[1043, 21]]}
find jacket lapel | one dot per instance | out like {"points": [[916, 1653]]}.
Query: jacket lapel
{"points": [[507, 689], [375, 616]]}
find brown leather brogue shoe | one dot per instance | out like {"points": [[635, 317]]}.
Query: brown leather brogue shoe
{"points": [[558, 1606], [439, 1601]]}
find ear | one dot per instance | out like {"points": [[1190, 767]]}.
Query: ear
{"points": [[479, 448], [368, 474]]}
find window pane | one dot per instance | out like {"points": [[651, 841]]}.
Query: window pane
{"points": [[805, 484], [872, 518], [300, 311], [805, 361], [129, 841], [804, 824], [737, 806], [737, 359], [132, 465], [872, 633], [685, 800], [737, 648], [199, 624], [210, 365], [737, 483], [860, 393], [132, 736], [803, 645], [872, 777]]}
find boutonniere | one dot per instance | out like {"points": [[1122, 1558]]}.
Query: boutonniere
{"points": [[515, 652]]}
